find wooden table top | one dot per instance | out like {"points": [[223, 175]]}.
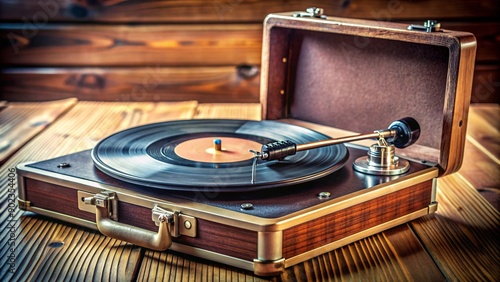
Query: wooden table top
{"points": [[458, 242]]}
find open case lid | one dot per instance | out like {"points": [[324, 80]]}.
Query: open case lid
{"points": [[360, 76]]}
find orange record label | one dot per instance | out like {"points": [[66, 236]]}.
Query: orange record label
{"points": [[217, 149]]}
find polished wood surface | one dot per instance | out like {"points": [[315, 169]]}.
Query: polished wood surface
{"points": [[458, 242], [164, 45], [214, 84]]}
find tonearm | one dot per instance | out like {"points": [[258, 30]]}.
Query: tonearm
{"points": [[380, 158]]}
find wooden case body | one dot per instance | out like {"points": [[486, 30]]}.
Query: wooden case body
{"points": [[285, 226], [302, 84]]}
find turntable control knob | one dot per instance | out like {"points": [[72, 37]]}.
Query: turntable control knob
{"points": [[407, 132]]}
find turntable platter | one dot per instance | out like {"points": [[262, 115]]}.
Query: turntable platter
{"points": [[212, 155]]}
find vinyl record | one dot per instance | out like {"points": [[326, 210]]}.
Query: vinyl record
{"points": [[182, 155]]}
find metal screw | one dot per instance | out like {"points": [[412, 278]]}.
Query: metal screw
{"points": [[187, 224], [63, 165], [324, 195], [246, 206]]}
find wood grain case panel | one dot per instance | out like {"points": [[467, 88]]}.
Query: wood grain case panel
{"points": [[335, 226]]}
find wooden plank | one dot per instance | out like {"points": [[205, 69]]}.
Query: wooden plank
{"points": [[35, 258], [390, 255], [235, 10], [462, 236], [63, 252], [204, 84], [129, 45], [22, 121], [482, 173], [482, 160], [485, 133], [250, 111]]}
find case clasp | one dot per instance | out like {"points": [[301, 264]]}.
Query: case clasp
{"points": [[312, 12], [429, 26]]}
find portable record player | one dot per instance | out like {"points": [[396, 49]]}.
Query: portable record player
{"points": [[266, 195]]}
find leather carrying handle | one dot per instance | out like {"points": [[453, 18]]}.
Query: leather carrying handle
{"points": [[158, 241]]}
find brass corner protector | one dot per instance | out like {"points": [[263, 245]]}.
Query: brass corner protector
{"points": [[433, 207], [23, 205], [269, 268]]}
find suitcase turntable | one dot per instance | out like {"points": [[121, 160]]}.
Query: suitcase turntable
{"points": [[266, 195], [295, 172]]}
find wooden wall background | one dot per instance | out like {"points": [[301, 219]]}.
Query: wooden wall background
{"points": [[206, 50]]}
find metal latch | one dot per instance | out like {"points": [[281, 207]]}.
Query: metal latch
{"points": [[181, 224], [106, 200], [429, 26], [312, 12]]}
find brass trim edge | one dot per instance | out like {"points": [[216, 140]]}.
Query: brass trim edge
{"points": [[64, 217], [434, 190], [355, 237], [213, 256]]}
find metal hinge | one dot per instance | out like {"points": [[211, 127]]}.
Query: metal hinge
{"points": [[429, 26], [312, 12]]}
